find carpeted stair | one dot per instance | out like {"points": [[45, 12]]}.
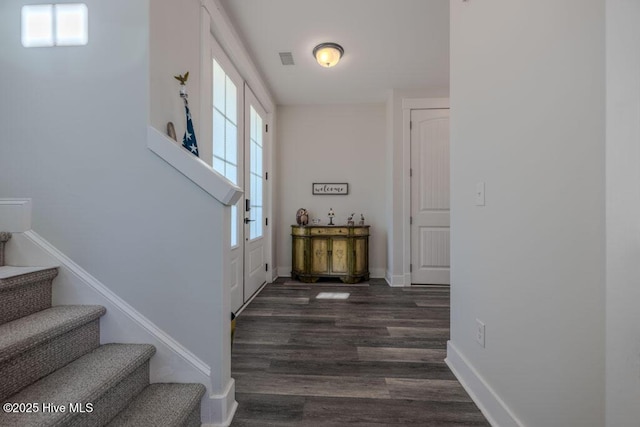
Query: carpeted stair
{"points": [[54, 371]]}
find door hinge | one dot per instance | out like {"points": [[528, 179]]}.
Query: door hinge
{"points": [[410, 125], [266, 267], [410, 171], [410, 220], [266, 221], [266, 176], [266, 127], [410, 268]]}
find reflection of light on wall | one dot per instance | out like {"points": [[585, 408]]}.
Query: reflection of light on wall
{"points": [[46, 25]]}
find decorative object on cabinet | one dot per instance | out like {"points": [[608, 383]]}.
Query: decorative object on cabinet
{"points": [[350, 219], [302, 216], [328, 188], [331, 214], [361, 222], [330, 251]]}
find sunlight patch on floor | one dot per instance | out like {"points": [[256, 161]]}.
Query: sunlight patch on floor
{"points": [[333, 295]]}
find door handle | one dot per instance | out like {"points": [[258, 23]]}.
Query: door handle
{"points": [[247, 220]]}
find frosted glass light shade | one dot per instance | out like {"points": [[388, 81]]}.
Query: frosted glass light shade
{"points": [[328, 54]]}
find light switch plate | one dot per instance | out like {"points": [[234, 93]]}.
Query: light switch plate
{"points": [[480, 194]]}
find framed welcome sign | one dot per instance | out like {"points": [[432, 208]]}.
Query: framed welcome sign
{"points": [[330, 188]]}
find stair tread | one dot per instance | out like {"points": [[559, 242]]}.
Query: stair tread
{"points": [[27, 332], [9, 271], [166, 404], [82, 381]]}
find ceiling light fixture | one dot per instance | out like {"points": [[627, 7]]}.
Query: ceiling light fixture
{"points": [[328, 54]]}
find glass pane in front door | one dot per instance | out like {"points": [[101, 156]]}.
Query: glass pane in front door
{"points": [[255, 175], [225, 135]]}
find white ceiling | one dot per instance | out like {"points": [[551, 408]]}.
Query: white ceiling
{"points": [[389, 44]]}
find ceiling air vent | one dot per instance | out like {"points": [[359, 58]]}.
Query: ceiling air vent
{"points": [[286, 58]]}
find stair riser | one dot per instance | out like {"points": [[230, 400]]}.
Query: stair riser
{"points": [[194, 419], [114, 400], [17, 302], [28, 367], [165, 404]]}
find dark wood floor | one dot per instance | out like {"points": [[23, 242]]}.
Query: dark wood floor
{"points": [[375, 359]]}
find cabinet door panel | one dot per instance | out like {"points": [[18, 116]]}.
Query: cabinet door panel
{"points": [[298, 250], [361, 255], [319, 259], [339, 256]]}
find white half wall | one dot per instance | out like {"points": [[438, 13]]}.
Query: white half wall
{"points": [[623, 213], [337, 143], [527, 119]]}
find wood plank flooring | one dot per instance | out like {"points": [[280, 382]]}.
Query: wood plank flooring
{"points": [[375, 359]]}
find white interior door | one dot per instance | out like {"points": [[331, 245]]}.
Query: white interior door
{"points": [[430, 197], [255, 272]]}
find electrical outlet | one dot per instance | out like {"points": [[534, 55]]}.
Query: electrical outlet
{"points": [[480, 332]]}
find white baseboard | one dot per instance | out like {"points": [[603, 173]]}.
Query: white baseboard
{"points": [[223, 407], [397, 281], [122, 323], [284, 271], [15, 215], [377, 273], [491, 405]]}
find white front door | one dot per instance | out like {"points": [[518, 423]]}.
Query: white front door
{"points": [[430, 197], [237, 131], [255, 273]]}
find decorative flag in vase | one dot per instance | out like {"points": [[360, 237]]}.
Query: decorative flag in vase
{"points": [[189, 139]]}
